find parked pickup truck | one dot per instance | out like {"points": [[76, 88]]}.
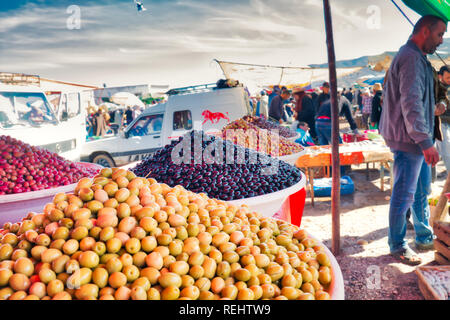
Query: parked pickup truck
{"points": [[205, 107]]}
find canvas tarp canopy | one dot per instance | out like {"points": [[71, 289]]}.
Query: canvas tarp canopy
{"points": [[257, 77]]}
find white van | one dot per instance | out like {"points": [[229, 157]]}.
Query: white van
{"points": [[27, 114], [203, 107]]}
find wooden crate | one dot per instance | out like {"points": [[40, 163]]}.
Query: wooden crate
{"points": [[442, 232], [439, 258], [428, 292], [442, 248]]}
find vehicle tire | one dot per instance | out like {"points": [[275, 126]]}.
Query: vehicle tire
{"points": [[104, 160]]}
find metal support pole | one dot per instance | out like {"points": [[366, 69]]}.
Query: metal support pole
{"points": [[335, 194]]}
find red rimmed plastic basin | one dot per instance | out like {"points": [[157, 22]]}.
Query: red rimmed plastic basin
{"points": [[14, 207]]}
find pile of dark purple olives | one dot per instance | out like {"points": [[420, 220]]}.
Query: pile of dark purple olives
{"points": [[228, 172]]}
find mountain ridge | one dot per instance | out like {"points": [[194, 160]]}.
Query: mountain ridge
{"points": [[363, 61]]}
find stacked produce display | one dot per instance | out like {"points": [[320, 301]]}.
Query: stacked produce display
{"points": [[25, 168], [270, 125], [251, 136], [218, 168], [123, 237]]}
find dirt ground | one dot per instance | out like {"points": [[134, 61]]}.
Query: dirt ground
{"points": [[369, 272]]}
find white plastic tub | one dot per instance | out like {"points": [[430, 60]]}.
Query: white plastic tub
{"points": [[292, 158], [270, 203], [14, 207], [337, 287]]}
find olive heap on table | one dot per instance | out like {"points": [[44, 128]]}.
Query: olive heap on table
{"points": [[224, 181], [25, 168], [120, 237], [270, 125], [261, 140]]}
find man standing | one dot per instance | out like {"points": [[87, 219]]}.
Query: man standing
{"points": [[444, 145], [407, 125], [349, 95], [324, 96], [128, 116], [315, 97], [359, 100], [304, 109], [276, 108], [323, 119]]}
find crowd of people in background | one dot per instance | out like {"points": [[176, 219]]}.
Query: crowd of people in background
{"points": [[100, 121], [311, 109]]}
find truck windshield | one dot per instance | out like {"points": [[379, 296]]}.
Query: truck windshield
{"points": [[24, 109]]}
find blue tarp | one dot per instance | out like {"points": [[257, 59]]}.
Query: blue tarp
{"points": [[372, 81]]}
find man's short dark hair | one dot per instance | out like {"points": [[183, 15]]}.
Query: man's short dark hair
{"points": [[428, 21], [326, 85], [443, 69]]}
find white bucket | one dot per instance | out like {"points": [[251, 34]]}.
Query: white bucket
{"points": [[269, 204], [337, 287]]}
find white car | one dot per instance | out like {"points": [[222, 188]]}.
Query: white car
{"points": [[200, 108]]}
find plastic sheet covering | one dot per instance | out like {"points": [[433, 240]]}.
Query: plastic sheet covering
{"points": [[256, 77]]}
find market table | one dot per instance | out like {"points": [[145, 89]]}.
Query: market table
{"points": [[353, 153]]}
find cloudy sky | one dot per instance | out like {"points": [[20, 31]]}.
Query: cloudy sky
{"points": [[175, 42]]}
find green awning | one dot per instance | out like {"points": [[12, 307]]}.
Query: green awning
{"points": [[440, 8]]}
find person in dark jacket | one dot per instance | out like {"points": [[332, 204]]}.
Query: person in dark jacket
{"points": [[315, 99], [304, 109], [276, 108], [324, 96], [128, 115], [323, 120], [443, 141], [376, 105], [349, 95], [359, 100]]}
